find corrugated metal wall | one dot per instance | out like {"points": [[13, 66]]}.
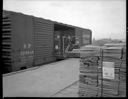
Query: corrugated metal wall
{"points": [[18, 31], [43, 41], [6, 43], [78, 33], [22, 46], [84, 36]]}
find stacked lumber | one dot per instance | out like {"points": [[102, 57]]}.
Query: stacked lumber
{"points": [[88, 78], [88, 91], [124, 53], [73, 54], [91, 80], [122, 86], [113, 54]]}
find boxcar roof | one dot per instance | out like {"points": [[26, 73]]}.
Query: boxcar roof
{"points": [[6, 12]]}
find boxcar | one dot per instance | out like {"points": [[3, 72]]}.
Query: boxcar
{"points": [[29, 41], [17, 41]]}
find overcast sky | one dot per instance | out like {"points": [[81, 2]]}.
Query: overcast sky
{"points": [[106, 18]]}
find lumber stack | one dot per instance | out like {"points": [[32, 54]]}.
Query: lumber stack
{"points": [[122, 86], [88, 78], [109, 86], [92, 83], [118, 56]]}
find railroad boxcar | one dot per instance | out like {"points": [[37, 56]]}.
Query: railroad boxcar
{"points": [[17, 41], [28, 41]]}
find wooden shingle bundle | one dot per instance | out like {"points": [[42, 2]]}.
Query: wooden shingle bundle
{"points": [[88, 78], [92, 83]]}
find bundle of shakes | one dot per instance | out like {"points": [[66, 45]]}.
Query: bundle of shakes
{"points": [[88, 78], [111, 71]]}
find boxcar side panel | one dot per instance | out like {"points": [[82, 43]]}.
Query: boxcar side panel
{"points": [[86, 37], [6, 42], [78, 33], [22, 41], [43, 41]]}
